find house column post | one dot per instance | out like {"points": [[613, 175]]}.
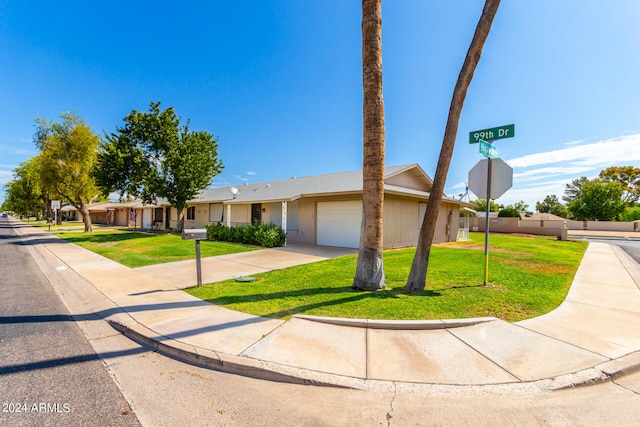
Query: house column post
{"points": [[284, 219], [228, 216]]}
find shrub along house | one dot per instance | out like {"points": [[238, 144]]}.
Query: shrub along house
{"points": [[322, 210]]}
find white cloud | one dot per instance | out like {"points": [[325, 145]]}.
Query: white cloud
{"points": [[539, 175], [251, 173], [611, 151], [543, 173], [460, 185]]}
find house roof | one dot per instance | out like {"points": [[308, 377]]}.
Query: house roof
{"points": [[104, 206], [403, 179]]}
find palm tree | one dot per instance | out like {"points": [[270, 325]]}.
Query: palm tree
{"points": [[370, 267], [418, 274]]}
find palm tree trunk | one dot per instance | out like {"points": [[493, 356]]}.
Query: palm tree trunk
{"points": [[418, 274], [370, 267]]}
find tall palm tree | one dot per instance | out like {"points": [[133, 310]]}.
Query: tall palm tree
{"points": [[370, 267], [418, 274]]}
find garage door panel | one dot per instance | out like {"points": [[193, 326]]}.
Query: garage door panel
{"points": [[338, 223]]}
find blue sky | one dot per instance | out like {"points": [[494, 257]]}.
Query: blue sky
{"points": [[279, 81]]}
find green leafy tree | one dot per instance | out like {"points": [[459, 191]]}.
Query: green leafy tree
{"points": [[520, 206], [599, 200], [573, 190], [418, 273], [24, 194], [154, 156], [552, 205], [480, 205], [629, 178], [67, 159], [631, 213], [509, 212]]}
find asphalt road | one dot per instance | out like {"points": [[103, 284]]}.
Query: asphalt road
{"points": [[49, 374], [631, 247]]}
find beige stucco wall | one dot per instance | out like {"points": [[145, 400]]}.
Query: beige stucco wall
{"points": [[401, 225], [402, 219], [548, 228], [408, 180]]}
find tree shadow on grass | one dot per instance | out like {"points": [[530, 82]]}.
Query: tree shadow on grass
{"points": [[350, 295], [104, 237]]}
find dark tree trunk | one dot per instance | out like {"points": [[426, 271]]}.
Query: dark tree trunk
{"points": [[86, 217], [418, 274]]}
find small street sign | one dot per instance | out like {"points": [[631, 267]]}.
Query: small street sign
{"points": [[488, 149], [491, 134], [55, 204]]}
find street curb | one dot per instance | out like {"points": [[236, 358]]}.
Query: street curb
{"points": [[625, 365], [209, 359], [254, 368], [397, 324]]}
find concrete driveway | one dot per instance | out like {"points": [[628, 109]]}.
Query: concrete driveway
{"points": [[182, 274]]}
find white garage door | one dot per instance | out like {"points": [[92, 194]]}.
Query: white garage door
{"points": [[339, 223]]}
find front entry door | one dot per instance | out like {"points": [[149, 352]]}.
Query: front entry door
{"points": [[256, 212]]}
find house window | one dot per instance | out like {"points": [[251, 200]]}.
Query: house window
{"points": [[216, 212], [157, 214], [191, 213]]}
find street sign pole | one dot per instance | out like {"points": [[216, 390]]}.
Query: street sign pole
{"points": [[486, 225], [485, 138]]}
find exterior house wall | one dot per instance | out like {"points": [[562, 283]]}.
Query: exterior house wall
{"points": [[401, 222], [98, 217], [173, 217], [408, 181], [449, 213], [273, 214], [147, 216], [240, 214], [122, 217], [305, 231], [201, 218]]}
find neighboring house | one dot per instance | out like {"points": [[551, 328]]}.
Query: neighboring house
{"points": [[109, 213], [323, 209]]}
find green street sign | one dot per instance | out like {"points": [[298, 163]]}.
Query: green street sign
{"points": [[487, 149], [491, 134]]}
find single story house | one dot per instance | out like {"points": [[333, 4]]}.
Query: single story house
{"points": [[322, 210], [108, 213]]}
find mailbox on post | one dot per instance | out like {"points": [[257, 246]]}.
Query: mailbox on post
{"points": [[196, 234]]}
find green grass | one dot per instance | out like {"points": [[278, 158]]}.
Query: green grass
{"points": [[528, 276], [137, 249]]}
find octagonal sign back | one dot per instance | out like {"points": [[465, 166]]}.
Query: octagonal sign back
{"points": [[501, 178]]}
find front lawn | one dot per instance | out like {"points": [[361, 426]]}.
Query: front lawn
{"points": [[528, 276], [137, 249]]}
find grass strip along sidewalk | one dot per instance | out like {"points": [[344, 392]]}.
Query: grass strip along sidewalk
{"points": [[528, 276], [137, 249]]}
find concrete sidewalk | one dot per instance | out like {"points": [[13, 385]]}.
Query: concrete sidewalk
{"points": [[592, 336]]}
